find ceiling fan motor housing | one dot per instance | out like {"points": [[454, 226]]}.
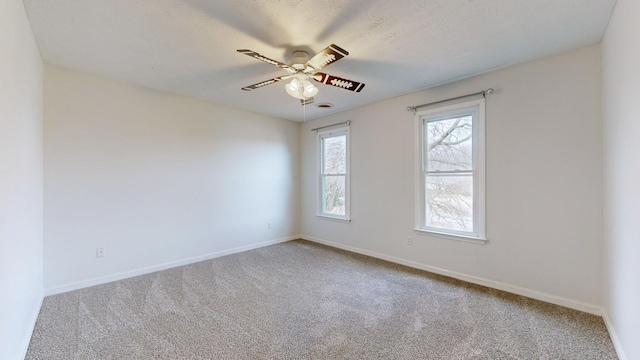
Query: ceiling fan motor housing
{"points": [[299, 59]]}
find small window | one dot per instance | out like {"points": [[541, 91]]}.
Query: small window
{"points": [[451, 176], [334, 173]]}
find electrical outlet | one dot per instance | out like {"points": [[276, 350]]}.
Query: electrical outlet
{"points": [[409, 240], [269, 225], [100, 252]]}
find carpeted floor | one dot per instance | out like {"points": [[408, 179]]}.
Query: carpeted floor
{"points": [[300, 300]]}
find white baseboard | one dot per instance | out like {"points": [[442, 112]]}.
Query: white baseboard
{"points": [[127, 274], [614, 336], [32, 325], [534, 294]]}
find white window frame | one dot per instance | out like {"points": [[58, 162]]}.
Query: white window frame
{"points": [[321, 135], [478, 235]]}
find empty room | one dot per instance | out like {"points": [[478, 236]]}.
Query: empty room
{"points": [[253, 179]]}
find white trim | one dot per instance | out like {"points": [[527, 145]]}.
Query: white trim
{"points": [[452, 236], [614, 336], [150, 269], [514, 289], [435, 113], [334, 218], [32, 325], [418, 192], [320, 135]]}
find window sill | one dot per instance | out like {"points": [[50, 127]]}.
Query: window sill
{"points": [[469, 239], [332, 218]]}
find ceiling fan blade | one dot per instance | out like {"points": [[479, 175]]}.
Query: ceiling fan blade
{"points": [[338, 82], [265, 83], [326, 57], [306, 101], [255, 55]]}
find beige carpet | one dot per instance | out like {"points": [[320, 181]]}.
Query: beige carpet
{"points": [[299, 300]]}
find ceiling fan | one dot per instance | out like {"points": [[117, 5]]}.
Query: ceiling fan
{"points": [[301, 69]]}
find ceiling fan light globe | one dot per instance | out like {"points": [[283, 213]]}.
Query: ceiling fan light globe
{"points": [[310, 90], [295, 92], [295, 84]]}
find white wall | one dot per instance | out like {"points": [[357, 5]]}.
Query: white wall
{"points": [[20, 180], [544, 182], [621, 93], [157, 179]]}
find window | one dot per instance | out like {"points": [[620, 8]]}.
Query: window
{"points": [[334, 173], [451, 176]]}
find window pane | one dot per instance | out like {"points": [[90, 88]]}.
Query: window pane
{"points": [[450, 202], [335, 155], [449, 144], [334, 195]]}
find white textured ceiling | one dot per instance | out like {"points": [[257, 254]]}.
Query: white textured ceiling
{"points": [[396, 46]]}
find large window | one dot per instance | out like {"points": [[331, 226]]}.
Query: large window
{"points": [[334, 173], [451, 177]]}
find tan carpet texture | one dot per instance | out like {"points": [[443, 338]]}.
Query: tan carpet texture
{"points": [[300, 300]]}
